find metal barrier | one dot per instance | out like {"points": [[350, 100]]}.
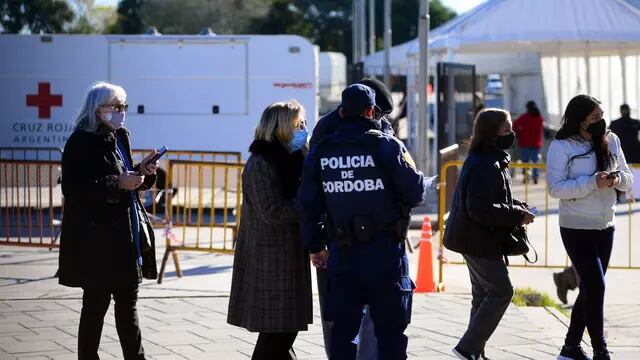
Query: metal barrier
{"points": [[156, 197], [31, 202], [31, 153], [204, 214], [537, 195]]}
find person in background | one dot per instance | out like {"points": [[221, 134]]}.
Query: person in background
{"points": [[483, 212], [628, 131], [585, 165], [528, 128], [271, 284], [360, 183], [566, 280], [367, 347], [107, 244]]}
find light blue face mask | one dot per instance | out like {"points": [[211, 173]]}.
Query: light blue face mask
{"points": [[299, 140]]}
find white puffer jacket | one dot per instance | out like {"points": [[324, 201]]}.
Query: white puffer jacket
{"points": [[582, 205]]}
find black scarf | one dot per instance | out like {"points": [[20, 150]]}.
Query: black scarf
{"points": [[288, 165]]}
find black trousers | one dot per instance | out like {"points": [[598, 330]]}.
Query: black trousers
{"points": [[275, 346], [95, 302], [590, 251]]}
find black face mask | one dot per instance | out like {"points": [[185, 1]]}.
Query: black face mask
{"points": [[504, 142], [597, 128]]}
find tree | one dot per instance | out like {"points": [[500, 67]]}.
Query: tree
{"points": [[36, 16], [92, 19], [328, 23], [404, 18], [189, 17], [129, 18], [284, 17]]}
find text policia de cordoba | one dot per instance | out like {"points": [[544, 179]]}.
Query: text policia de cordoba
{"points": [[350, 182], [41, 133]]}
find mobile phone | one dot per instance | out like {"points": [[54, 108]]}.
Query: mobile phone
{"points": [[157, 156], [613, 174]]}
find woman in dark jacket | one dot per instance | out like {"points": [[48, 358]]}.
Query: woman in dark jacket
{"points": [[483, 212], [107, 244], [271, 285]]}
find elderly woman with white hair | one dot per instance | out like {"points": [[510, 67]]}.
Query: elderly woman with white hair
{"points": [[107, 244]]}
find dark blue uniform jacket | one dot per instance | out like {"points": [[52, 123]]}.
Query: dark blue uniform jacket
{"points": [[357, 171]]}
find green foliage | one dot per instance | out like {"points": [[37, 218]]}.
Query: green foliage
{"points": [[532, 297], [189, 17], [36, 16], [129, 18], [327, 23], [91, 19]]}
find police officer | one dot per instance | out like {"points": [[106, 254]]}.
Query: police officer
{"points": [[326, 126], [364, 181]]}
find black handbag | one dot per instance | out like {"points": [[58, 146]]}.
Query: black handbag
{"points": [[517, 243]]}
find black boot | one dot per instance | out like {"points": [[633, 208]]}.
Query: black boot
{"points": [[561, 286], [601, 354], [573, 353]]}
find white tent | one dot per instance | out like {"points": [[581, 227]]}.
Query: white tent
{"points": [[589, 46], [545, 26], [547, 50]]}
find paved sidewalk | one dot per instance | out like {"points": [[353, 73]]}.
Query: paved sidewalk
{"points": [[195, 328], [186, 318]]}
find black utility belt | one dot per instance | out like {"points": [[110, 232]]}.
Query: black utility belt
{"points": [[362, 229]]}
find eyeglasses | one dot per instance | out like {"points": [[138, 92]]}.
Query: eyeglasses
{"points": [[119, 107]]}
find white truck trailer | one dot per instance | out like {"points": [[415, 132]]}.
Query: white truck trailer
{"points": [[192, 92]]}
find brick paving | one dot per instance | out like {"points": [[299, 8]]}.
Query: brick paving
{"points": [[186, 318]]}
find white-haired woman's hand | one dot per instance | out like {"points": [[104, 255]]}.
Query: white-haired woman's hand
{"points": [[130, 180], [147, 167]]}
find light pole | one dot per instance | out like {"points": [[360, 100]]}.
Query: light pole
{"points": [[387, 42], [424, 148]]}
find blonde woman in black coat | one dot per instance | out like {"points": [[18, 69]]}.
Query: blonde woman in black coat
{"points": [[107, 244], [271, 285]]}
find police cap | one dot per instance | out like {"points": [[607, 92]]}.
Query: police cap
{"points": [[357, 98]]}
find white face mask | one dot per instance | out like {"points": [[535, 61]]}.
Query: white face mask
{"points": [[114, 119]]}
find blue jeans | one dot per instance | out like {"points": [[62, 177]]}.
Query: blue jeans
{"points": [[530, 155], [590, 251]]}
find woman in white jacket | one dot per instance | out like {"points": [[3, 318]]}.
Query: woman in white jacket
{"points": [[585, 165]]}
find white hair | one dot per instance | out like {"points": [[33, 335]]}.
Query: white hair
{"points": [[100, 93]]}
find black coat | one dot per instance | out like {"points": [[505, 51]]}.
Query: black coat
{"points": [[271, 285], [96, 243], [482, 210], [628, 130]]}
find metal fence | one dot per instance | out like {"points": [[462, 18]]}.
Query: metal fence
{"points": [[31, 202], [203, 208], [156, 197]]}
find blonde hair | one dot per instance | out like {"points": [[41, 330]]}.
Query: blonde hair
{"points": [[100, 93], [277, 121]]}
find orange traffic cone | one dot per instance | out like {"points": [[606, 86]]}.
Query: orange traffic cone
{"points": [[424, 281]]}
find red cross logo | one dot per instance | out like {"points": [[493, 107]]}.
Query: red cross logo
{"points": [[44, 100]]}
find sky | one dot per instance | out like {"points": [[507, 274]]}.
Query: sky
{"points": [[459, 6]]}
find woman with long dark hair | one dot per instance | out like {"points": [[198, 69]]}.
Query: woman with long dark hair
{"points": [[483, 212], [585, 165]]}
